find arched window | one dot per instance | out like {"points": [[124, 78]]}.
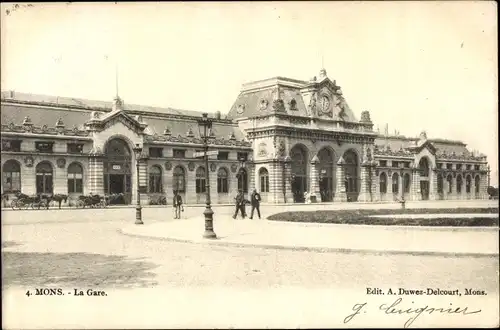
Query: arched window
{"points": [[155, 180], [179, 179], [243, 180], [468, 184], [351, 171], [424, 167], [11, 173], [395, 183], [407, 182], [383, 183], [44, 178], [449, 179], [75, 178], [477, 183], [440, 184], [264, 180], [222, 181], [459, 184], [200, 180]]}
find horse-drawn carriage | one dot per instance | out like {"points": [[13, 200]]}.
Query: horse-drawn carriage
{"points": [[38, 201], [91, 200], [23, 201]]}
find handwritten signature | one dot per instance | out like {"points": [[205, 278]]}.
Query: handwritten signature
{"points": [[399, 310]]}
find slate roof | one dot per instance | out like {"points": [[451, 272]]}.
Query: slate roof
{"points": [[90, 104], [447, 147], [253, 94], [75, 112]]}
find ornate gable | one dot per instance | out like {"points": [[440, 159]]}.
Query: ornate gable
{"points": [[425, 144], [100, 122]]}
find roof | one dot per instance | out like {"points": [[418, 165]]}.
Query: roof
{"points": [[79, 103], [452, 149], [286, 95], [46, 110]]}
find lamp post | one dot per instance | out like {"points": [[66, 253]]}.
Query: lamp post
{"points": [[403, 186], [138, 208], [240, 175], [205, 125]]}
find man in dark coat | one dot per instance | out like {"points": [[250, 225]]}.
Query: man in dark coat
{"points": [[255, 200], [239, 205], [177, 203]]}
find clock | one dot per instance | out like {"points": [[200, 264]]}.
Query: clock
{"points": [[325, 104]]}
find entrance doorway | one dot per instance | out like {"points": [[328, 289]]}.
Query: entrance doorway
{"points": [[299, 187], [424, 189], [326, 163], [299, 156], [424, 168], [117, 172]]}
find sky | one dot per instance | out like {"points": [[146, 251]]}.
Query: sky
{"points": [[415, 66]]}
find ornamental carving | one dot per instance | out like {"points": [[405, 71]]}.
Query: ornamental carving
{"points": [[28, 161], [61, 162], [213, 167], [234, 167], [263, 104], [191, 166], [262, 150], [279, 105], [240, 109], [168, 166], [312, 104], [281, 148]]}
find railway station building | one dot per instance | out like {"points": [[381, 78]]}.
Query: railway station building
{"points": [[282, 136]]}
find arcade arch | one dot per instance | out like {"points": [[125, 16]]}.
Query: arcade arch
{"points": [[117, 169], [326, 172], [299, 156]]}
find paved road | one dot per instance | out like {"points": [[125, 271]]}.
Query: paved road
{"points": [[84, 248]]}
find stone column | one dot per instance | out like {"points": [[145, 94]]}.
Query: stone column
{"points": [[375, 183], [364, 193], [251, 178], [415, 185], [433, 194], [168, 183], [275, 182], [340, 193], [454, 186], [288, 184], [313, 178], [96, 174], [483, 189]]}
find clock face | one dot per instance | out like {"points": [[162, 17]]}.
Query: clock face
{"points": [[325, 104]]}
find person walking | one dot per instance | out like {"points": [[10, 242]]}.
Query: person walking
{"points": [[177, 203], [255, 200], [239, 205]]}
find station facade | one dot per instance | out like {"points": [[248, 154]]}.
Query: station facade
{"points": [[283, 137]]}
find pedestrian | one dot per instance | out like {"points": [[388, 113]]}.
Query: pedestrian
{"points": [[255, 201], [177, 203], [239, 205]]}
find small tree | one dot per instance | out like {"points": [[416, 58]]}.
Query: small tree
{"points": [[493, 192]]}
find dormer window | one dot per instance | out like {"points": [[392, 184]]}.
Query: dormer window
{"points": [[293, 104]]}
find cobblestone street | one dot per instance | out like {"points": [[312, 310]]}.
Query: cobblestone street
{"points": [[85, 249]]}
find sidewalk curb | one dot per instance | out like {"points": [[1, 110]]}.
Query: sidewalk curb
{"points": [[314, 249]]}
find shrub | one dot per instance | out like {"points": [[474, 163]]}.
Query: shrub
{"points": [[363, 217]]}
